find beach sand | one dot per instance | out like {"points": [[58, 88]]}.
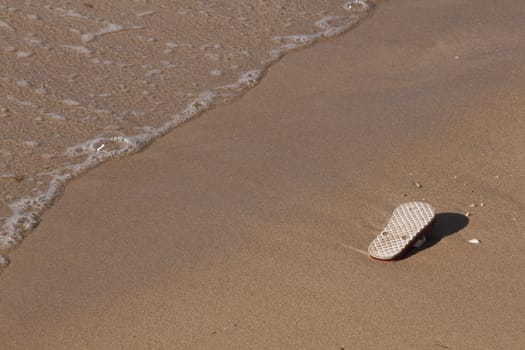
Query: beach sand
{"points": [[247, 227]]}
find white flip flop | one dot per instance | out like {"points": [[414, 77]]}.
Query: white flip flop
{"points": [[404, 230]]}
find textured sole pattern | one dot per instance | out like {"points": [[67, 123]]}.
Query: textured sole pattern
{"points": [[407, 223]]}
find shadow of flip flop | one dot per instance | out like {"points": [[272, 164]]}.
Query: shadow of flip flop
{"points": [[445, 224]]}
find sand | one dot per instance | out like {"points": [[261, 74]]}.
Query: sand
{"points": [[246, 228]]}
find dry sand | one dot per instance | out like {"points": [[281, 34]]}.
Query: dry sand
{"points": [[242, 229]]}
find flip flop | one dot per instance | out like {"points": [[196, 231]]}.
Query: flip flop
{"points": [[405, 228]]}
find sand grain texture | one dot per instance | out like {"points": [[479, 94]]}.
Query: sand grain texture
{"points": [[232, 232]]}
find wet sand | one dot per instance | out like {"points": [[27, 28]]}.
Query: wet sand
{"points": [[84, 82], [246, 228]]}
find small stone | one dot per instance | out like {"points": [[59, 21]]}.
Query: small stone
{"points": [[468, 214], [481, 204], [418, 185], [473, 205], [4, 261], [474, 241]]}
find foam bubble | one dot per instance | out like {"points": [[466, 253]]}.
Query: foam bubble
{"points": [[152, 72], [80, 49], [246, 79], [10, 241], [55, 116], [212, 56], [173, 45], [34, 41], [146, 13], [75, 13], [31, 143], [169, 64], [87, 37], [110, 28], [21, 102], [23, 83], [71, 102], [357, 5], [24, 54], [4, 25]]}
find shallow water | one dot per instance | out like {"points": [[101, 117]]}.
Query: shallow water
{"points": [[84, 81]]}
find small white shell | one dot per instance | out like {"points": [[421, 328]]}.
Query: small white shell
{"points": [[474, 241]]}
